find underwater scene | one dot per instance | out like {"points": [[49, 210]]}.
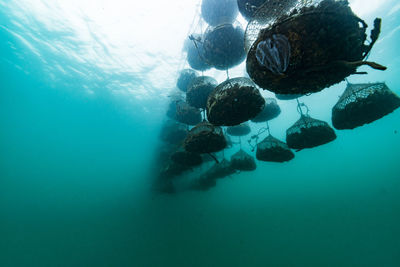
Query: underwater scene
{"points": [[200, 133]]}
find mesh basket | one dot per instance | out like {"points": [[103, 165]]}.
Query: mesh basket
{"points": [[224, 46], [186, 114], [273, 150], [216, 12], [242, 161], [219, 170], [233, 102], [205, 138], [308, 132], [199, 90], [185, 78], [239, 130], [311, 49], [195, 53], [363, 103], [270, 111]]}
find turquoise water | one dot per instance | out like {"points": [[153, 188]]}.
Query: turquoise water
{"points": [[79, 131]]}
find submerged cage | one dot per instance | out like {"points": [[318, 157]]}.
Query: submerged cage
{"points": [[186, 114], [287, 97], [173, 132], [272, 149], [186, 76], [195, 53], [239, 130], [199, 90], [186, 158], [216, 12], [224, 46], [205, 138], [308, 132], [242, 161], [314, 47], [234, 101], [363, 103], [270, 111], [219, 170]]}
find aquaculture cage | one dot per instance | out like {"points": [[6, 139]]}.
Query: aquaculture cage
{"points": [[216, 12], [195, 53], [363, 103], [199, 90], [185, 158], [234, 101], [239, 130], [270, 111], [248, 8], [186, 76], [219, 170], [308, 133], [173, 132], [205, 138], [187, 114], [224, 46], [242, 161], [303, 47], [272, 149]]}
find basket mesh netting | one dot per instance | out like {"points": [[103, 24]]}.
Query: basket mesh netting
{"points": [[308, 132], [242, 161], [234, 101], [224, 46], [173, 132], [317, 45], [273, 150], [186, 158], [185, 78], [199, 90], [216, 12], [205, 138], [363, 103], [239, 130], [270, 111], [249, 7], [219, 170]]}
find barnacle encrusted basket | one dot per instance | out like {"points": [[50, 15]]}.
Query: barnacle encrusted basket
{"points": [[272, 149], [199, 90], [308, 132], [205, 138], [234, 101], [242, 161], [363, 103], [312, 48]]}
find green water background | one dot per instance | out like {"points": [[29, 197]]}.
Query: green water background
{"points": [[75, 184]]}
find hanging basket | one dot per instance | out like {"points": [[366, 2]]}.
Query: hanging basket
{"points": [[363, 103], [242, 161], [216, 12], [186, 158], [270, 111], [186, 114], [234, 101], [224, 46], [239, 130], [186, 76], [273, 150], [313, 48], [205, 138], [199, 90], [173, 132], [308, 133]]}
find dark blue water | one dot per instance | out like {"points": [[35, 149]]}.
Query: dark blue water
{"points": [[77, 143]]}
